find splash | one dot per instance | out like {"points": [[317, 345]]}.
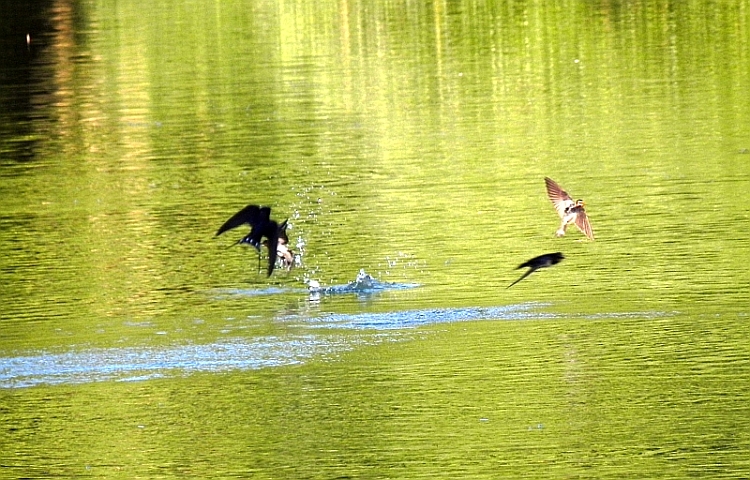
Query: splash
{"points": [[363, 284]]}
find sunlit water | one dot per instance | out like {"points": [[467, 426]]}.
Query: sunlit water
{"points": [[406, 142]]}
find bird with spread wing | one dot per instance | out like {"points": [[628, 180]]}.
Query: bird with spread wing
{"points": [[571, 212], [261, 225]]}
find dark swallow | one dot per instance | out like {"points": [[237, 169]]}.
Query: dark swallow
{"points": [[542, 261], [569, 211], [261, 225], [284, 254]]}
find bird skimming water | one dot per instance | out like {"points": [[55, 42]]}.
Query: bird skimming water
{"points": [[261, 225], [569, 211], [542, 261]]}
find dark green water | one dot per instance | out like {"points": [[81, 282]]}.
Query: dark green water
{"points": [[409, 140]]}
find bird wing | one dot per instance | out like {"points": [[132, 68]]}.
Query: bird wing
{"points": [[559, 197], [272, 234], [542, 261], [264, 214], [249, 215], [583, 224], [528, 263], [282, 232]]}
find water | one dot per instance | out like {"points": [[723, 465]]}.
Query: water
{"points": [[407, 145]]}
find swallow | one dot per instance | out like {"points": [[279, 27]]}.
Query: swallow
{"points": [[569, 211], [284, 254], [261, 225], [542, 261]]}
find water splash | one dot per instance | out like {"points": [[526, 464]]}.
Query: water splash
{"points": [[363, 284]]}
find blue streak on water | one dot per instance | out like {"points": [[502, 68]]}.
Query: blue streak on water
{"points": [[134, 364], [128, 364], [254, 292], [417, 318]]}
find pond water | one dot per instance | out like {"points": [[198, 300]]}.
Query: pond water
{"points": [[407, 144]]}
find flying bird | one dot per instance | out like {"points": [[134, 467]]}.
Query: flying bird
{"points": [[542, 261], [261, 225], [284, 254], [570, 211]]}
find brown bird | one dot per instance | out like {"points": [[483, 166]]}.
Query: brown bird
{"points": [[261, 225], [569, 211]]}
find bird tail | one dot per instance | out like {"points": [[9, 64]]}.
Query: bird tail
{"points": [[529, 272]]}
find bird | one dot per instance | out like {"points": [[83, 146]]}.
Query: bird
{"points": [[261, 225], [284, 254], [570, 211], [542, 261]]}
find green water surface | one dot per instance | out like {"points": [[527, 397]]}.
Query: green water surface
{"points": [[408, 139]]}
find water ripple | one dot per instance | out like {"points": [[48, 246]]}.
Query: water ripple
{"points": [[417, 318], [134, 364], [129, 364]]}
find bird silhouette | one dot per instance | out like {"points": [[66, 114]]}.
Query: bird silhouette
{"points": [[261, 225], [284, 254], [569, 211], [542, 261]]}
